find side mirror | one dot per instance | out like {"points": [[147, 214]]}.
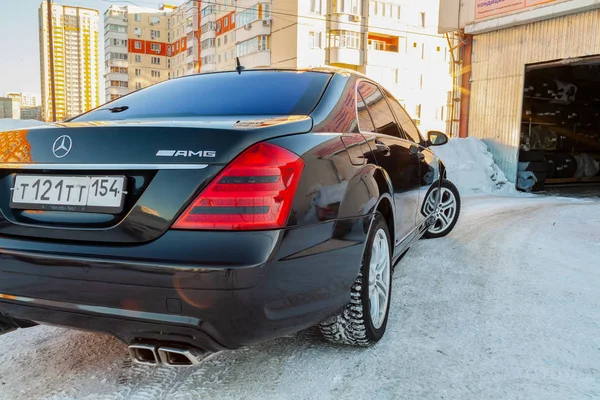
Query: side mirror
{"points": [[437, 138]]}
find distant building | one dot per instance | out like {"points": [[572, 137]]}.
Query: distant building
{"points": [[71, 64], [10, 108], [31, 113], [26, 99], [135, 47]]}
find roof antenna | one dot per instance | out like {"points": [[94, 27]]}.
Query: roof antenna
{"points": [[239, 67]]}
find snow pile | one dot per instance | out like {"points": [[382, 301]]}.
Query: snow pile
{"points": [[470, 166], [8, 124]]}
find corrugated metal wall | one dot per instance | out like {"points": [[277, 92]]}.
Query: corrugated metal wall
{"points": [[499, 60]]}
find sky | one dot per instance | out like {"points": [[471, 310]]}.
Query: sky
{"points": [[19, 41]]}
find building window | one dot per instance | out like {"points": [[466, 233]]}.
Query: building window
{"points": [[226, 56], [249, 15], [155, 47], [155, 60], [219, 26], [345, 6], [209, 26], [225, 38], [348, 39], [208, 59], [137, 18], [225, 22], [138, 58], [117, 56], [154, 20], [116, 28], [219, 59], [207, 43], [259, 43], [208, 11], [154, 34], [219, 42], [138, 85], [314, 40], [315, 6], [168, 63], [423, 19], [232, 19], [155, 74], [398, 13], [376, 44], [233, 36], [137, 44], [138, 72], [137, 31]]}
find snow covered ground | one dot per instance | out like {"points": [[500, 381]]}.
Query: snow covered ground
{"points": [[506, 307]]}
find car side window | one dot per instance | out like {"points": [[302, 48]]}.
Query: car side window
{"points": [[383, 118], [365, 123], [406, 123]]}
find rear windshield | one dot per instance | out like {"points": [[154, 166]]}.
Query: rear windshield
{"points": [[221, 94]]}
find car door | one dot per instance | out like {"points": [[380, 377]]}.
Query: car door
{"points": [[428, 161], [393, 153]]}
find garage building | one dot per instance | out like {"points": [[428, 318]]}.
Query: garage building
{"points": [[530, 73]]}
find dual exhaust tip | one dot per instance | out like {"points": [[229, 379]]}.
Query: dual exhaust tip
{"points": [[149, 354]]}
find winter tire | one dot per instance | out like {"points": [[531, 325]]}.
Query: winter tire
{"points": [[364, 319], [537, 167], [531, 155], [446, 211]]}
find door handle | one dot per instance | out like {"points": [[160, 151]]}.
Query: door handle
{"points": [[383, 148]]}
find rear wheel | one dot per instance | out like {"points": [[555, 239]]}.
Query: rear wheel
{"points": [[364, 319], [446, 211]]}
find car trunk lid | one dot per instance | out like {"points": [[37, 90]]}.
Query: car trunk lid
{"points": [[160, 164]]}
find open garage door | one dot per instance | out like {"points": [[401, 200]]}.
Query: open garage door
{"points": [[560, 131]]}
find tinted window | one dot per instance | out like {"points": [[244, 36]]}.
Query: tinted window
{"points": [[365, 123], [406, 123], [221, 94], [382, 116]]}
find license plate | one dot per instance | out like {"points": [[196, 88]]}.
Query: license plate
{"points": [[69, 193]]}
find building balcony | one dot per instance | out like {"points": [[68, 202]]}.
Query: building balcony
{"points": [[209, 51], [116, 76], [210, 34], [257, 59], [344, 55], [245, 32], [345, 22], [208, 67]]}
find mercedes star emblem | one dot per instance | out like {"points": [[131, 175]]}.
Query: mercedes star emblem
{"points": [[62, 146]]}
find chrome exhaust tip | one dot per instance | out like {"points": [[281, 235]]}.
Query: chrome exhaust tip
{"points": [[180, 357], [144, 354]]}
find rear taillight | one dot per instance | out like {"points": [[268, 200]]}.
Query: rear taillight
{"points": [[255, 191]]}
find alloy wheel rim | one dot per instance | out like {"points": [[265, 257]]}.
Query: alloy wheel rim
{"points": [[444, 212], [379, 278]]}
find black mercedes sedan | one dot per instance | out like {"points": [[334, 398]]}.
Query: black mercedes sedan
{"points": [[219, 210]]}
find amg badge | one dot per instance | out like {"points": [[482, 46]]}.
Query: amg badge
{"points": [[186, 153]]}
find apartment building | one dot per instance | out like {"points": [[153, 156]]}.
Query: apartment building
{"points": [[10, 108], [68, 60], [394, 42], [24, 106], [26, 99], [136, 48]]}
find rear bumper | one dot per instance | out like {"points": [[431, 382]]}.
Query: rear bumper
{"points": [[252, 286]]}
